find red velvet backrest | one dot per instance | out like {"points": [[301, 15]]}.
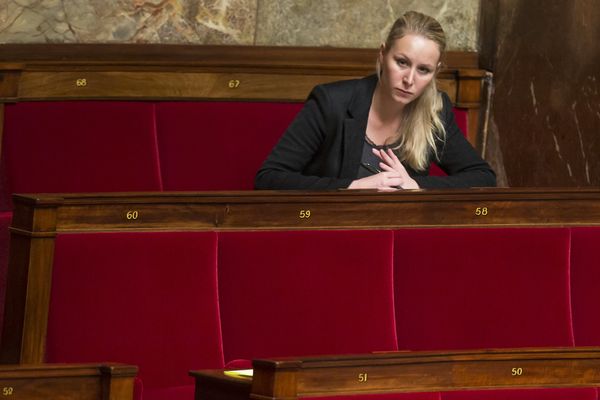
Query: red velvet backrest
{"points": [[585, 284], [79, 146], [148, 299], [461, 116], [305, 293], [218, 145], [482, 288], [96, 146]]}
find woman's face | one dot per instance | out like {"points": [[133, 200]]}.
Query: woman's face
{"points": [[408, 67]]}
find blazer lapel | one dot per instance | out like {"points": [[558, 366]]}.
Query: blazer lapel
{"points": [[355, 126]]}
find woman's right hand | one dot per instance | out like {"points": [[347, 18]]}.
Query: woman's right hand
{"points": [[386, 181]]}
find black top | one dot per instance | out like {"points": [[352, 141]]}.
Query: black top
{"points": [[322, 148]]}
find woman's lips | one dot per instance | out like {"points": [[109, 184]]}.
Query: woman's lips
{"points": [[404, 92]]}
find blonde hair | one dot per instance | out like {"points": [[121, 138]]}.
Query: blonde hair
{"points": [[421, 124]]}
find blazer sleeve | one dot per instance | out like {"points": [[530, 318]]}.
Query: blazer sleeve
{"points": [[465, 168], [302, 141]]}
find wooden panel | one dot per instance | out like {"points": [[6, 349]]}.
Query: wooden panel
{"points": [[344, 209], [29, 271], [411, 372], [168, 85], [9, 82], [75, 85], [66, 382], [302, 59], [54, 72]]}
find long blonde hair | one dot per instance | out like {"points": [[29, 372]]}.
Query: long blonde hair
{"points": [[421, 124]]}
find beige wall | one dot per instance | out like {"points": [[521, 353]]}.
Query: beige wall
{"points": [[340, 23]]}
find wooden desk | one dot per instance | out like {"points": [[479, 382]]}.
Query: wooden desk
{"points": [[405, 372], [38, 218], [73, 381]]}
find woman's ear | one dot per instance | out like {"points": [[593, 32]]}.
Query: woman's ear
{"points": [[379, 62]]}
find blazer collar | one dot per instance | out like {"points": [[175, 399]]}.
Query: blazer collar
{"points": [[355, 125]]}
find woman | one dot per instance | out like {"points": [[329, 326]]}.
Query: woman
{"points": [[382, 131]]}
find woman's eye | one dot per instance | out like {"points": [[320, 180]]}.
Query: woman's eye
{"points": [[424, 70], [401, 61]]}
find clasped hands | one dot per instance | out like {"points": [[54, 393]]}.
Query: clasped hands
{"points": [[392, 177]]}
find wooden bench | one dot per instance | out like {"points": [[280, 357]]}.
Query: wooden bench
{"points": [[295, 254]]}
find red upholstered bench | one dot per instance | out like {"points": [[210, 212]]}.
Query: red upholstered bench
{"points": [[585, 285], [93, 146], [217, 145], [51, 147], [149, 299], [81, 146], [509, 289], [307, 293]]}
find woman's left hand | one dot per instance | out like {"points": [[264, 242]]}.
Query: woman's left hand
{"points": [[389, 162]]}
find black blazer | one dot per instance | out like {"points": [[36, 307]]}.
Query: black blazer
{"points": [[322, 147]]}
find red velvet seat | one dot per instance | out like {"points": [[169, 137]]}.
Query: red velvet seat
{"points": [[148, 299], [585, 285], [80, 147], [508, 288], [461, 117], [305, 293], [217, 145]]}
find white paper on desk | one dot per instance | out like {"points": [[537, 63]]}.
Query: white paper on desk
{"points": [[239, 373]]}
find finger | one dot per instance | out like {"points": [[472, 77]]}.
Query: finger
{"points": [[391, 174], [387, 189], [386, 158], [394, 182], [381, 153], [393, 156], [376, 152], [386, 167]]}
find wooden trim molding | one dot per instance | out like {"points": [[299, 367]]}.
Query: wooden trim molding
{"points": [[167, 72]]}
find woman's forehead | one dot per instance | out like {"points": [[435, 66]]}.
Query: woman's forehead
{"points": [[417, 47]]}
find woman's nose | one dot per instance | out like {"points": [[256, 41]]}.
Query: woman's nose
{"points": [[408, 78]]}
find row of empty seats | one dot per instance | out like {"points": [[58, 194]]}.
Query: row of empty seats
{"points": [[110, 146], [171, 302]]}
